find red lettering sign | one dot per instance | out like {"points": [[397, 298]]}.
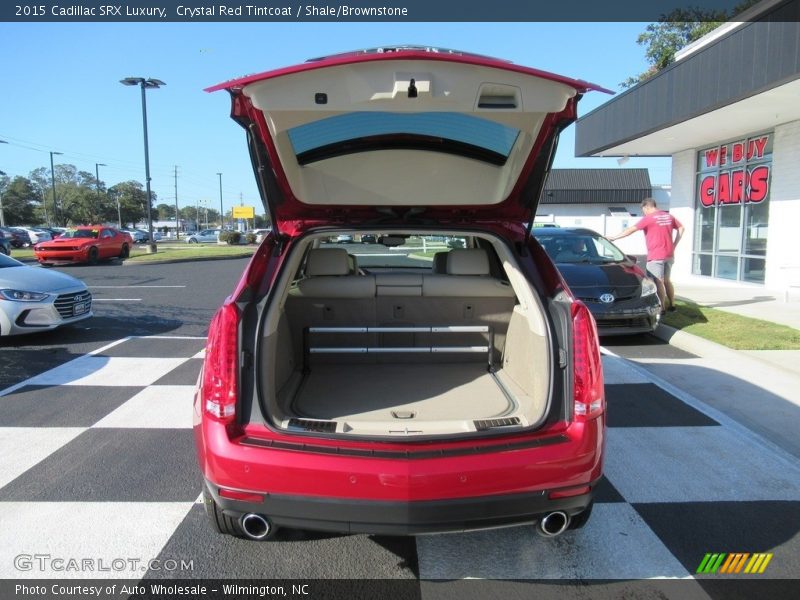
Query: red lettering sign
{"points": [[758, 147], [724, 189], [707, 191], [759, 184], [737, 186], [711, 157], [738, 151]]}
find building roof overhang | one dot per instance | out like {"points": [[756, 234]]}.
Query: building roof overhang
{"points": [[743, 81]]}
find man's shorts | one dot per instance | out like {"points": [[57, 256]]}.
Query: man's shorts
{"points": [[659, 269]]}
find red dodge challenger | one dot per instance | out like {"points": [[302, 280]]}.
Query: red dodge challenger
{"points": [[88, 244]]}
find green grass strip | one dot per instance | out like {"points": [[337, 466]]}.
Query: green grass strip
{"points": [[732, 330]]}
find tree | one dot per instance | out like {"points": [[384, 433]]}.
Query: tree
{"points": [[132, 201], [19, 199], [76, 199], [166, 212], [674, 31]]}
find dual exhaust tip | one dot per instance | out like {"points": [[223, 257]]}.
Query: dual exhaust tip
{"points": [[257, 527], [553, 524]]}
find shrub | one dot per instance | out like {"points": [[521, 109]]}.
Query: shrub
{"points": [[231, 237], [251, 238]]}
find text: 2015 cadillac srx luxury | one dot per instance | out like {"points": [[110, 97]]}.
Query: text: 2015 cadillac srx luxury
{"points": [[442, 379]]}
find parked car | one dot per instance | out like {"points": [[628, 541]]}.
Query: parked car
{"points": [[392, 399], [37, 234], [619, 293], [204, 236], [33, 299], [137, 235], [54, 231], [369, 238], [5, 244], [261, 234], [19, 238], [88, 244]]}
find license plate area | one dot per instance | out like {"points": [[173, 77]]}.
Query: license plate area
{"points": [[80, 308]]}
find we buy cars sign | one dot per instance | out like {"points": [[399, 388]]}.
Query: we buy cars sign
{"points": [[736, 181]]}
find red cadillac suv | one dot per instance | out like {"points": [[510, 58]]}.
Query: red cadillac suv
{"points": [[441, 377]]}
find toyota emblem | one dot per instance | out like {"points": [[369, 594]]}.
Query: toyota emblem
{"points": [[607, 298]]}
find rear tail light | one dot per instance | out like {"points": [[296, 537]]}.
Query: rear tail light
{"points": [[587, 368], [220, 385]]}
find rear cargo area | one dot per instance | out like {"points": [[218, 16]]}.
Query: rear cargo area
{"points": [[398, 353]]}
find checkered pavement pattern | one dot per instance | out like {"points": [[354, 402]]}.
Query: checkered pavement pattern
{"points": [[97, 460]]}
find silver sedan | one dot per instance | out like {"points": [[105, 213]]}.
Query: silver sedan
{"points": [[35, 299]]}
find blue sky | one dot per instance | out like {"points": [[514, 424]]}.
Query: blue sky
{"points": [[61, 89]]}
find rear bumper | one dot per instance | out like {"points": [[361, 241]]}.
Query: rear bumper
{"points": [[402, 518], [414, 489]]}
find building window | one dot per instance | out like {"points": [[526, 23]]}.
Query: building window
{"points": [[732, 209]]}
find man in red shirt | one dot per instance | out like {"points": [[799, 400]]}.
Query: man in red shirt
{"points": [[658, 226]]}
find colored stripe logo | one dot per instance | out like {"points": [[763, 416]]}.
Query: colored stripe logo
{"points": [[733, 563]]}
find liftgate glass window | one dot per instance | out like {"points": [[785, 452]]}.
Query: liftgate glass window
{"points": [[732, 209]]}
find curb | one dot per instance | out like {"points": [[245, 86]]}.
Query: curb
{"points": [[169, 261], [707, 349]]}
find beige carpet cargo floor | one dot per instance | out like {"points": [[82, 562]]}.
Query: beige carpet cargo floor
{"points": [[384, 392]]}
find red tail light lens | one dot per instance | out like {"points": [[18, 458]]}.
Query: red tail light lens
{"points": [[587, 367], [220, 385]]}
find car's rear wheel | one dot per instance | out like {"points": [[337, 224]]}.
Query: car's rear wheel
{"points": [[192, 241], [125, 253], [93, 255], [219, 522]]}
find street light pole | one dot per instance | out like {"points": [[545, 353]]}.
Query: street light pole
{"points": [[221, 211], [144, 84], [2, 215], [97, 181], [53, 180]]}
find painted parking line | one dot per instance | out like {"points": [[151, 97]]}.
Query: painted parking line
{"points": [[120, 287], [116, 299]]}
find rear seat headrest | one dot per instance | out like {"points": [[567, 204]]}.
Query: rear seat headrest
{"points": [[327, 261], [440, 263], [471, 261]]}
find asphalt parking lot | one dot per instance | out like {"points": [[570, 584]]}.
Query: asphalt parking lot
{"points": [[95, 427]]}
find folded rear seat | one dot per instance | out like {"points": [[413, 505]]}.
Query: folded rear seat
{"points": [[329, 296], [466, 295]]}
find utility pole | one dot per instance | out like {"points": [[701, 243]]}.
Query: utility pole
{"points": [[97, 181], [53, 180], [221, 211], [2, 216], [177, 214]]}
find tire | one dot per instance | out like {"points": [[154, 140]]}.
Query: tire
{"points": [[94, 255], [219, 521], [192, 241], [125, 253]]}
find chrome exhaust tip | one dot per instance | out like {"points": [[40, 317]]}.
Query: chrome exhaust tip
{"points": [[553, 524], [256, 527]]}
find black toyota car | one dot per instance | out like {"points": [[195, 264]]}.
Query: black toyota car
{"points": [[617, 291]]}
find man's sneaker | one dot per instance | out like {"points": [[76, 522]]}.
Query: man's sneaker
{"points": [[672, 308]]}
